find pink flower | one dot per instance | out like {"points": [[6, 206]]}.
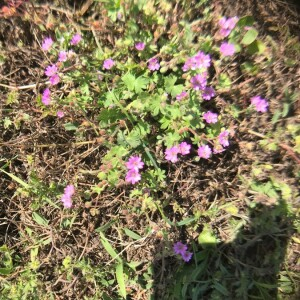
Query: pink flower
{"points": [[108, 63], [204, 152], [153, 64], [261, 105], [218, 149], [198, 61], [46, 97], [210, 117], [181, 96], [227, 25], [54, 79], [62, 56], [60, 114], [47, 44], [184, 148], [67, 196], [227, 49], [199, 81], [140, 46], [186, 256], [134, 163], [208, 93], [171, 154], [51, 70], [133, 176], [179, 248], [75, 39], [223, 138]]}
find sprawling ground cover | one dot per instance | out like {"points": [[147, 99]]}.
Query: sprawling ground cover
{"points": [[149, 150]]}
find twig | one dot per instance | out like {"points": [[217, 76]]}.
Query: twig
{"points": [[287, 148]]}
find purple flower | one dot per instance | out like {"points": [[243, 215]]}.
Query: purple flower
{"points": [[47, 44], [51, 70], [54, 79], [140, 46], [134, 163], [204, 152], [186, 256], [179, 248], [261, 105], [223, 138], [75, 39], [227, 25], [202, 60], [181, 96], [46, 97], [67, 196], [171, 154], [62, 56], [218, 149], [133, 176], [208, 93], [108, 63], [153, 64], [210, 117], [60, 114], [198, 61], [199, 81], [184, 148], [227, 49]]}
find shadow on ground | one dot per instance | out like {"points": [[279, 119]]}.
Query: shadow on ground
{"points": [[246, 268]]}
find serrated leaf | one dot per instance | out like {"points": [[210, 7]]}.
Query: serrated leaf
{"points": [[132, 234], [250, 36], [129, 81], [140, 84], [121, 280], [110, 250]]}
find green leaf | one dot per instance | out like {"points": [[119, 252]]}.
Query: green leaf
{"points": [[256, 47], [132, 234], [70, 127], [245, 21], [121, 280], [110, 250], [186, 221], [206, 238], [39, 219], [129, 81], [140, 84], [250, 36], [17, 179]]}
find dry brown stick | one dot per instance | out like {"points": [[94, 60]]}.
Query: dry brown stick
{"points": [[287, 148]]}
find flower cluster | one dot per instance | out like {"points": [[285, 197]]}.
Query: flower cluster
{"points": [[198, 61], [66, 198], [134, 164], [226, 25], [46, 100], [75, 39], [171, 153], [181, 249], [52, 72], [260, 104]]}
